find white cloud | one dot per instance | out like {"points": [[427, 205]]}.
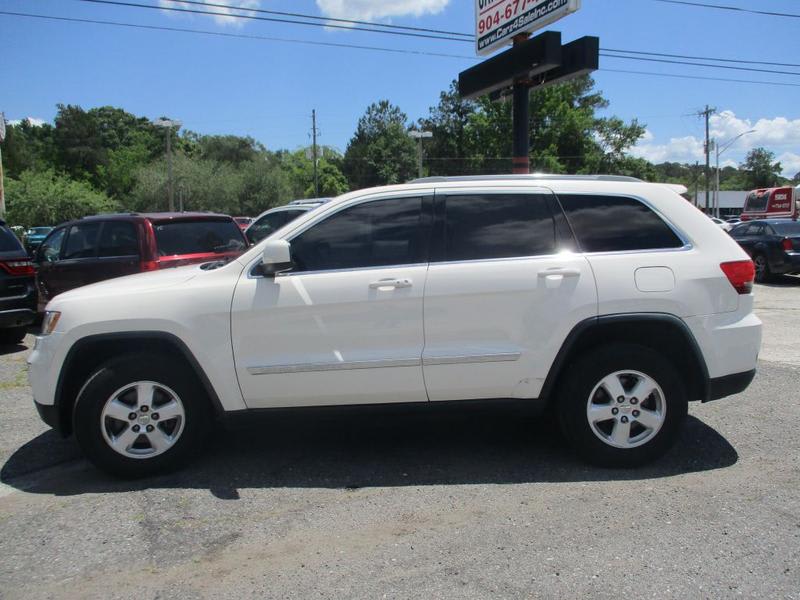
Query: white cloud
{"points": [[790, 163], [235, 7], [368, 10], [776, 135], [685, 149], [36, 122]]}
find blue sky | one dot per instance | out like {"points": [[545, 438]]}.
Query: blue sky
{"points": [[267, 89]]}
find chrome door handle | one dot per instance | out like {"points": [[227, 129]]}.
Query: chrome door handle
{"points": [[390, 283], [563, 271]]}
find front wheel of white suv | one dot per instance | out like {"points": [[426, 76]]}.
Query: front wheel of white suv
{"points": [[140, 415], [621, 405]]}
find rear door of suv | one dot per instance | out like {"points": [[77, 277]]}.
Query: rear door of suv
{"points": [[503, 292]]}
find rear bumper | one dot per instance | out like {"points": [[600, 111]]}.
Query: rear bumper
{"points": [[722, 387], [20, 317]]}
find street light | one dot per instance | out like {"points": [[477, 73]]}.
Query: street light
{"points": [[419, 136], [169, 124], [719, 150]]}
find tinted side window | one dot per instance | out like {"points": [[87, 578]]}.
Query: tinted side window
{"points": [[50, 249], [82, 241], [270, 223], [615, 223], [498, 226], [118, 239], [8, 241], [739, 230], [380, 233]]}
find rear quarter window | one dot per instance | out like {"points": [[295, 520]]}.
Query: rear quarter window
{"points": [[198, 237], [616, 224], [8, 241]]}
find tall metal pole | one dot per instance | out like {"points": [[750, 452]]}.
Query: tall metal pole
{"points": [[2, 189], [707, 114], [520, 160], [716, 186], [170, 185], [419, 157], [316, 171]]}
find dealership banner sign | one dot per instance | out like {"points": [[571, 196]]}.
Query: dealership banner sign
{"points": [[498, 21]]}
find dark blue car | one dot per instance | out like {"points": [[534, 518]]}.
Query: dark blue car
{"points": [[773, 244]]}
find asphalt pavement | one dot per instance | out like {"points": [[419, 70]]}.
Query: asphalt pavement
{"points": [[454, 505]]}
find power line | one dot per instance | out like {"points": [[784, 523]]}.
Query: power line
{"points": [[269, 19], [694, 64], [731, 60], [238, 35], [674, 75], [390, 27], [350, 46], [318, 18], [732, 8]]}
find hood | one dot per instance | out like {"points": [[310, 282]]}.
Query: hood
{"points": [[133, 284]]}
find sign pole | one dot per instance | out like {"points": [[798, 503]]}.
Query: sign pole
{"points": [[520, 160], [2, 189]]}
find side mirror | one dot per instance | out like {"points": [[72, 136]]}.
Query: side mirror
{"points": [[276, 258]]}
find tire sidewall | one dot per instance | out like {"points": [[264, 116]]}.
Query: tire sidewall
{"points": [[117, 373], [581, 380]]}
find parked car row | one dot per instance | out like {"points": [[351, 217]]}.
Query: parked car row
{"points": [[52, 260]]}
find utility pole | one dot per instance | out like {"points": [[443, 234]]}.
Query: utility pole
{"points": [[314, 135], [707, 147], [168, 124], [419, 136], [2, 189]]}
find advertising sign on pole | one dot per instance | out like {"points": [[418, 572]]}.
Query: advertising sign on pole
{"points": [[498, 21]]}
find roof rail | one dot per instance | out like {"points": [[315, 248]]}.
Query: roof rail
{"points": [[532, 176]]}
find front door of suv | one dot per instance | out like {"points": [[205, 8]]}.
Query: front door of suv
{"points": [[503, 292], [344, 326]]}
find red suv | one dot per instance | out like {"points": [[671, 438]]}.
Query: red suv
{"points": [[102, 247]]}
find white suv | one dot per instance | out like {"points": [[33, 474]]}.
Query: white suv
{"points": [[612, 300]]}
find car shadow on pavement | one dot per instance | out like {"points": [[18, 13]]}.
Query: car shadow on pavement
{"points": [[782, 281], [12, 348], [350, 452]]}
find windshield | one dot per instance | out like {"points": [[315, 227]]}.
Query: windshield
{"points": [[756, 202], [792, 228], [198, 237]]}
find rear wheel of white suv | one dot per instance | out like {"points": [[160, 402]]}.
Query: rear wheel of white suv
{"points": [[621, 405], [138, 415]]}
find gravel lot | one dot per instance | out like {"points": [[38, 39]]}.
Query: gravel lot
{"points": [[451, 506]]}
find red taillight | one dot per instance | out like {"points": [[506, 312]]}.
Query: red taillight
{"points": [[17, 267], [149, 265], [741, 274], [787, 245]]}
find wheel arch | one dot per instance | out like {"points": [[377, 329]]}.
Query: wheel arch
{"points": [[88, 353], [662, 332]]}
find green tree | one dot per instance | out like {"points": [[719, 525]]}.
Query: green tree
{"points": [[48, 198], [448, 152], [332, 181], [28, 147], [760, 170], [380, 152]]}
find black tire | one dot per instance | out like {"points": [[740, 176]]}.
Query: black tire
{"points": [[579, 382], [12, 335], [763, 272], [114, 375]]}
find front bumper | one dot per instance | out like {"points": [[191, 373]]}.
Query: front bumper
{"points": [[49, 414], [722, 387]]}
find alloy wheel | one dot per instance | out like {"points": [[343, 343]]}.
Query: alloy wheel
{"points": [[626, 409]]}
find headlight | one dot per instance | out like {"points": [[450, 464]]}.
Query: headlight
{"points": [[50, 321]]}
